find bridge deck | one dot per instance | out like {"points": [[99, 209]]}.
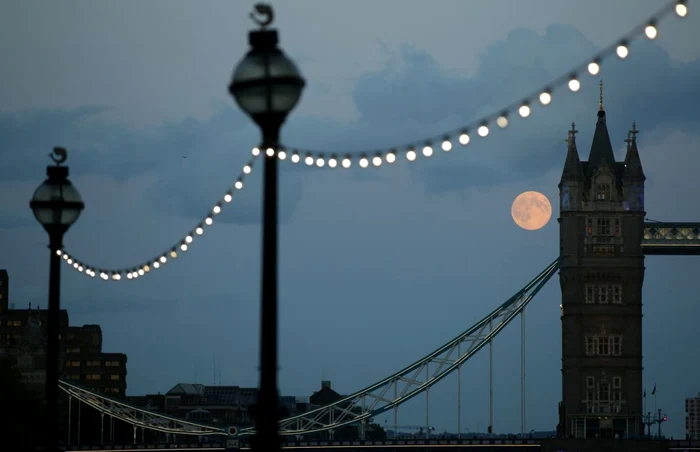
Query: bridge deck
{"points": [[671, 239]]}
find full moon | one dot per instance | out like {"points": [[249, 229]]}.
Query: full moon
{"points": [[531, 210]]}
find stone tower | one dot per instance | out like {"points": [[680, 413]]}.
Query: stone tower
{"points": [[602, 270]]}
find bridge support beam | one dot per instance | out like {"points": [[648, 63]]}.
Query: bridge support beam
{"points": [[490, 430], [459, 395], [427, 402], [522, 372]]}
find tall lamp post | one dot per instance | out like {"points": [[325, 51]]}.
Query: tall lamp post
{"points": [[56, 205], [267, 86]]}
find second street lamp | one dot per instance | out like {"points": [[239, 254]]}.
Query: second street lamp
{"points": [[56, 205], [267, 86]]}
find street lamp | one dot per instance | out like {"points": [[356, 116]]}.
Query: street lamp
{"points": [[267, 86], [56, 205]]}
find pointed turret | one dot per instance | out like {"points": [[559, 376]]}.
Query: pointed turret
{"points": [[572, 166], [633, 164], [601, 148]]}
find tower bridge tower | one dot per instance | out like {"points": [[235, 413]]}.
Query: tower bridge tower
{"points": [[602, 271]]}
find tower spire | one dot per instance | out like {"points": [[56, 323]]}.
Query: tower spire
{"points": [[600, 99]]}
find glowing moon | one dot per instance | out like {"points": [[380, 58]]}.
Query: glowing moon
{"points": [[531, 210]]}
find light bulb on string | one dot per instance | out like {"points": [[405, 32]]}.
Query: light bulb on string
{"points": [[164, 259], [75, 265], [208, 221], [65, 256], [545, 97], [247, 169], [574, 84], [80, 268], [464, 138], [173, 254], [427, 150], [681, 9], [594, 67], [216, 210], [651, 30], [129, 276], [295, 157], [70, 261], [188, 239], [309, 160], [146, 268], [281, 155], [270, 152], [502, 121], [183, 247], [238, 185], [141, 272], [256, 152], [364, 163], [58, 252], [411, 155], [377, 160], [483, 130], [524, 110], [390, 156], [333, 161], [228, 197], [347, 162], [320, 162], [622, 50], [156, 264], [446, 144]]}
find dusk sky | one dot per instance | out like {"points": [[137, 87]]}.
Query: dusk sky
{"points": [[377, 266]]}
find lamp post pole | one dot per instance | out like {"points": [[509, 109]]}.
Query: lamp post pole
{"points": [[267, 86], [56, 204]]}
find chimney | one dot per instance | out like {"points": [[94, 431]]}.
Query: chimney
{"points": [[326, 384]]}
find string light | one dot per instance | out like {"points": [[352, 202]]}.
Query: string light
{"points": [[621, 49], [571, 80], [129, 274]]}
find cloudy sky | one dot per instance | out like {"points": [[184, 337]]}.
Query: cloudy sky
{"points": [[377, 267]]}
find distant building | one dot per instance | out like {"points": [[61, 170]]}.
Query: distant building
{"points": [[81, 360], [216, 405], [692, 419]]}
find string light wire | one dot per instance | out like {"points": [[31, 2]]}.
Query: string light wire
{"points": [[375, 158], [172, 253], [483, 126]]}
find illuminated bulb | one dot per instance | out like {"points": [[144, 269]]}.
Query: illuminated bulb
{"points": [[320, 162], [173, 254], [129, 276], [238, 185], [574, 84], [651, 31], [332, 162], [390, 157], [622, 51], [146, 268], [198, 231], [208, 221], [247, 169], [427, 151], [164, 259], [446, 145], [681, 9], [188, 239], [483, 131], [282, 155], [593, 68], [156, 264], [70, 261], [216, 209], [364, 163], [92, 274], [256, 152], [141, 272], [104, 276], [80, 268], [464, 139], [502, 121], [270, 152], [75, 265], [295, 158], [136, 274], [377, 160], [545, 98], [228, 197], [116, 277], [65, 256], [346, 162], [524, 110], [183, 247], [58, 252], [309, 160], [411, 155]]}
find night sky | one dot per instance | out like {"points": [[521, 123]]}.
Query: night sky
{"points": [[377, 267]]}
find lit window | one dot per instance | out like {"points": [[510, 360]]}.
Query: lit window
{"points": [[93, 377], [114, 377], [603, 192], [73, 364], [589, 226], [93, 363]]}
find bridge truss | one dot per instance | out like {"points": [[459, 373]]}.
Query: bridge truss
{"points": [[386, 395]]}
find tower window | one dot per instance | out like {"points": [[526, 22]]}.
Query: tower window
{"points": [[617, 345], [603, 346], [590, 293], [590, 382], [617, 294], [603, 226], [601, 294], [591, 345], [589, 226], [603, 192], [617, 382], [618, 229], [603, 392]]}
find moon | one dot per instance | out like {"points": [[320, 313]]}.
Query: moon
{"points": [[531, 210]]}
